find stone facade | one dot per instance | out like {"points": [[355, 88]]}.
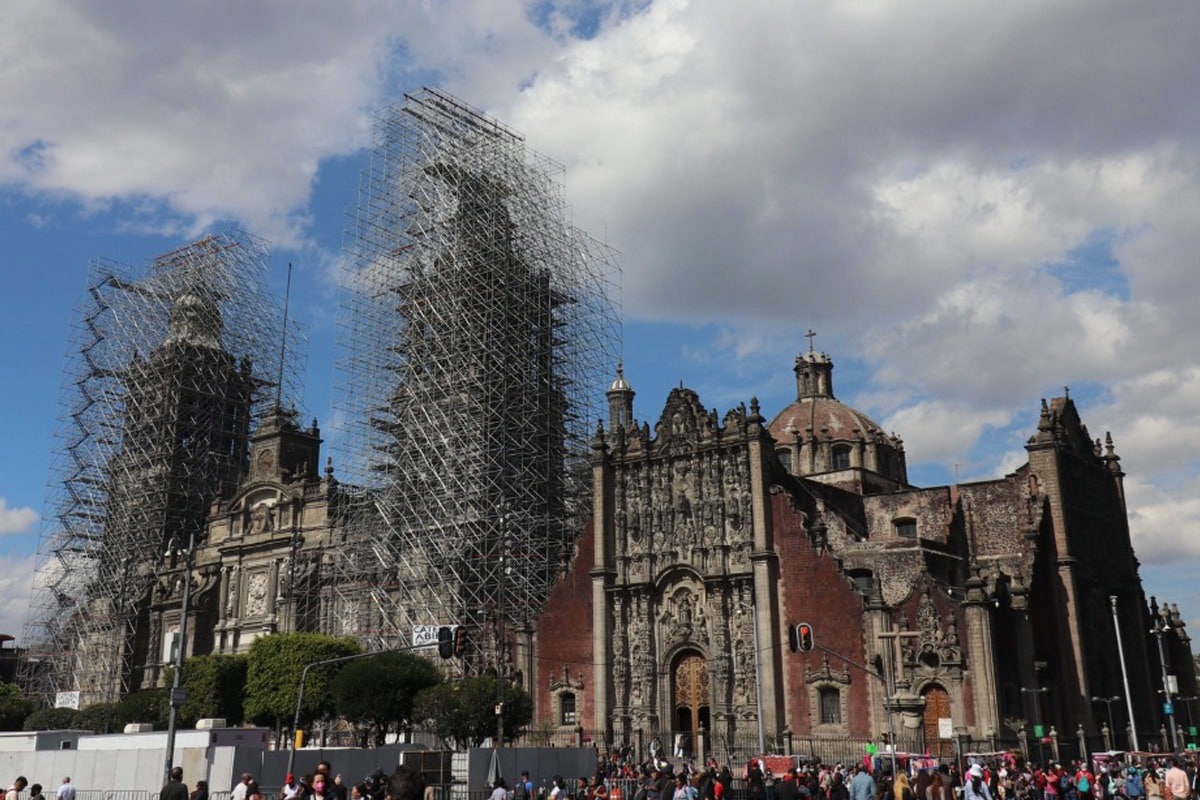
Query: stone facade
{"points": [[711, 537]]}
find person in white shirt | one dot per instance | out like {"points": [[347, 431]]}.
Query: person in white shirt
{"points": [[66, 791]]}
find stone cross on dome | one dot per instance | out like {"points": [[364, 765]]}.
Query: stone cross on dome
{"points": [[810, 336]]}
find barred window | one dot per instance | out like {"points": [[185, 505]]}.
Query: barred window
{"points": [[831, 706], [841, 457], [566, 705]]}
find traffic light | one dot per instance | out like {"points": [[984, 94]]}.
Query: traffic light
{"points": [[460, 641], [804, 637], [445, 641]]}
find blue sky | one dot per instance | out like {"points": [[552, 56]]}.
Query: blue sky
{"points": [[974, 205]]}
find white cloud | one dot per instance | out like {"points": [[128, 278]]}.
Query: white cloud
{"points": [[939, 431], [16, 520], [16, 584], [919, 180]]}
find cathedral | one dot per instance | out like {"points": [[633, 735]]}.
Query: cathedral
{"points": [[968, 610], [693, 578]]}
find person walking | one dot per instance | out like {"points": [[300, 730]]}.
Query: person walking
{"points": [[174, 788], [18, 786], [66, 791], [862, 785]]}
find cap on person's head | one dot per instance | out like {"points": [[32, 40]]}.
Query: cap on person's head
{"points": [[976, 771], [291, 778]]}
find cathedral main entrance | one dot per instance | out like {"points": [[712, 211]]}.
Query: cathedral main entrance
{"points": [[689, 698]]}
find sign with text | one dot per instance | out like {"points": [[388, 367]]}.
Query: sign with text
{"points": [[67, 700], [945, 728], [427, 635]]}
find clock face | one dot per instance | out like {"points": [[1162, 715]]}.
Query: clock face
{"points": [[266, 460]]}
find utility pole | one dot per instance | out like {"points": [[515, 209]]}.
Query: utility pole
{"points": [[174, 550]]}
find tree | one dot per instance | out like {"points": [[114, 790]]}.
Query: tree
{"points": [[14, 707], [147, 706], [51, 719], [463, 714], [380, 691], [216, 686], [273, 671]]}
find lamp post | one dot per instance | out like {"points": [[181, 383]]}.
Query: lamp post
{"points": [[1188, 701], [1108, 701], [174, 550], [1037, 718], [1112, 599], [1160, 627], [753, 609]]}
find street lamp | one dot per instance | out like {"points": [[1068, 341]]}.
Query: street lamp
{"points": [[1160, 627], [762, 741], [1108, 701], [1037, 718], [174, 550]]}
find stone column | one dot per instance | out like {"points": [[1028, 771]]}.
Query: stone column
{"points": [[977, 611], [602, 577], [765, 565]]}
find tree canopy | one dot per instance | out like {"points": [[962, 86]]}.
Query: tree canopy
{"points": [[462, 714], [380, 691], [274, 667], [14, 708], [215, 687]]}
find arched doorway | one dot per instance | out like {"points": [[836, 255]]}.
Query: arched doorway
{"points": [[937, 708], [689, 699]]}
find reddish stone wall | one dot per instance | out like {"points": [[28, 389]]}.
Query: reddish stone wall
{"points": [[812, 590], [564, 637]]}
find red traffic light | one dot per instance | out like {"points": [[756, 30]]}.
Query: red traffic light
{"points": [[804, 637]]}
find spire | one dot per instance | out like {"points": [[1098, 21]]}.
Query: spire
{"points": [[814, 372], [620, 401]]}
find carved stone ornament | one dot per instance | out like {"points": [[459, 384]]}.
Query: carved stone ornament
{"points": [[256, 595]]}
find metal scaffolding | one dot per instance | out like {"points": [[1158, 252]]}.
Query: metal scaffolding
{"points": [[479, 329], [168, 372]]}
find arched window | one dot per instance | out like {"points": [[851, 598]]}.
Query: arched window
{"points": [[841, 457], [566, 707], [785, 458], [906, 527]]}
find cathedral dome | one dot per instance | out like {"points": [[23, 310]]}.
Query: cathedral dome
{"points": [[819, 435], [821, 416]]}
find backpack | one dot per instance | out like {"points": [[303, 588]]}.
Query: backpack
{"points": [[521, 792], [1084, 784], [1064, 782]]}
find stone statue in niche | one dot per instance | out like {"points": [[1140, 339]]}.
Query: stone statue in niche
{"points": [[232, 592]]}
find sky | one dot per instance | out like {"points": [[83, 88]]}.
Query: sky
{"points": [[974, 205]]}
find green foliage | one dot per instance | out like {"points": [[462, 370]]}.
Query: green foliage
{"points": [[216, 687], [100, 718], [51, 719], [380, 691], [147, 706], [463, 714], [14, 707], [273, 674]]}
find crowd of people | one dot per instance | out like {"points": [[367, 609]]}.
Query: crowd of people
{"points": [[320, 784], [1008, 777]]}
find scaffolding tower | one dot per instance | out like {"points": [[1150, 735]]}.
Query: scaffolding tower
{"points": [[169, 369], [478, 330]]}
